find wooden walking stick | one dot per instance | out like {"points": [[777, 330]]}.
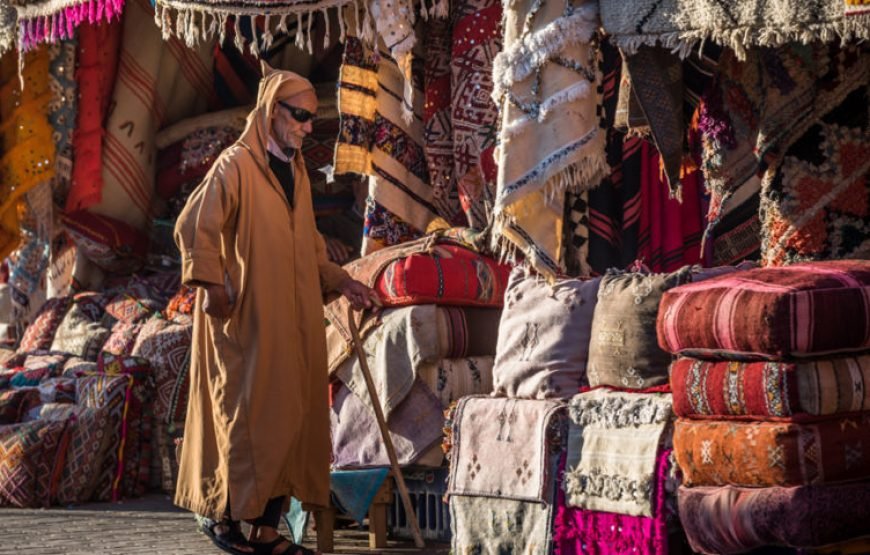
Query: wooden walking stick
{"points": [[385, 434]]}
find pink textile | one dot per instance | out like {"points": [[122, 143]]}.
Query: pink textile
{"points": [[599, 533], [62, 23]]}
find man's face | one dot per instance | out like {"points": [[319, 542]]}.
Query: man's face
{"points": [[287, 130]]}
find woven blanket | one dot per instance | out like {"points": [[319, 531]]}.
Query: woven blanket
{"points": [[545, 83], [97, 55], [614, 439], [599, 533], [762, 454], [376, 138], [681, 24], [765, 389], [158, 83], [544, 335], [395, 352], [759, 107], [30, 457], [770, 313], [415, 426], [453, 378], [501, 448], [474, 115], [622, 350], [817, 206], [737, 235], [734, 520], [491, 526]]}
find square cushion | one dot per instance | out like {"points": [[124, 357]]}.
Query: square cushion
{"points": [[89, 436], [111, 244], [30, 455], [623, 352], [123, 338], [543, 339], [182, 303], [79, 335], [166, 345], [40, 333], [447, 274], [14, 403], [802, 310]]}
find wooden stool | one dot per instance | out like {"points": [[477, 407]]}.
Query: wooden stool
{"points": [[324, 519]]}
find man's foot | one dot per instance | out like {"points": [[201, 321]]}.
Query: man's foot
{"points": [[267, 541], [226, 535]]}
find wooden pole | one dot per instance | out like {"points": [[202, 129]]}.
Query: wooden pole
{"points": [[385, 434]]}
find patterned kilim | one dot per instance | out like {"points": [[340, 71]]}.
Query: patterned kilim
{"points": [[122, 339], [29, 458], [166, 345], [476, 41], [80, 336], [89, 433], [377, 140], [111, 394], [817, 207], [40, 333]]}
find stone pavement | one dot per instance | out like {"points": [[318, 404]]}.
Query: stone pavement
{"points": [[147, 525]]}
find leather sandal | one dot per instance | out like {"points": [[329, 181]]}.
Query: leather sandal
{"points": [[229, 539]]}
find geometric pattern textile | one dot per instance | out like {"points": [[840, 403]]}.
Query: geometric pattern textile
{"points": [[167, 345], [29, 457]]}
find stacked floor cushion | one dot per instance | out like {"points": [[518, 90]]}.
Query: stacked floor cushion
{"points": [[447, 274], [771, 390]]}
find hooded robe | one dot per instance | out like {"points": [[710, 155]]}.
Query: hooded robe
{"points": [[257, 423]]}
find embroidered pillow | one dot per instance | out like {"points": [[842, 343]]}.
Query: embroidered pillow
{"points": [[14, 403], [92, 305], [89, 436], [40, 333], [31, 452], [122, 338], [111, 244], [447, 274], [182, 303], [109, 393], [77, 367], [166, 345], [543, 337], [79, 336], [623, 350], [800, 310], [57, 390], [124, 307]]}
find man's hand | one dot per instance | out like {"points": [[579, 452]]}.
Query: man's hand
{"points": [[337, 251], [359, 295], [217, 301]]}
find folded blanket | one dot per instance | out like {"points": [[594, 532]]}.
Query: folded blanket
{"points": [[729, 519], [613, 442], [600, 533], [501, 448], [765, 389], [487, 525], [805, 309], [543, 340], [453, 378], [762, 454], [415, 426]]}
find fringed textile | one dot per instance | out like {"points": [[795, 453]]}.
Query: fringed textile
{"points": [[680, 25], [41, 21], [546, 83], [62, 114]]}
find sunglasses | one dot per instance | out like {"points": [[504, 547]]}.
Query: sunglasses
{"points": [[299, 114]]}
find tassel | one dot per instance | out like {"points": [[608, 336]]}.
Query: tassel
{"points": [[282, 25], [267, 32], [356, 19], [222, 29], [326, 23], [299, 39], [238, 40], [310, 43], [254, 43], [341, 28]]}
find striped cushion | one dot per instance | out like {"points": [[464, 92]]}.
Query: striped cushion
{"points": [[771, 313], [765, 389]]}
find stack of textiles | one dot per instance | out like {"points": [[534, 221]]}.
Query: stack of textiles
{"points": [[433, 343], [616, 494], [771, 391]]}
